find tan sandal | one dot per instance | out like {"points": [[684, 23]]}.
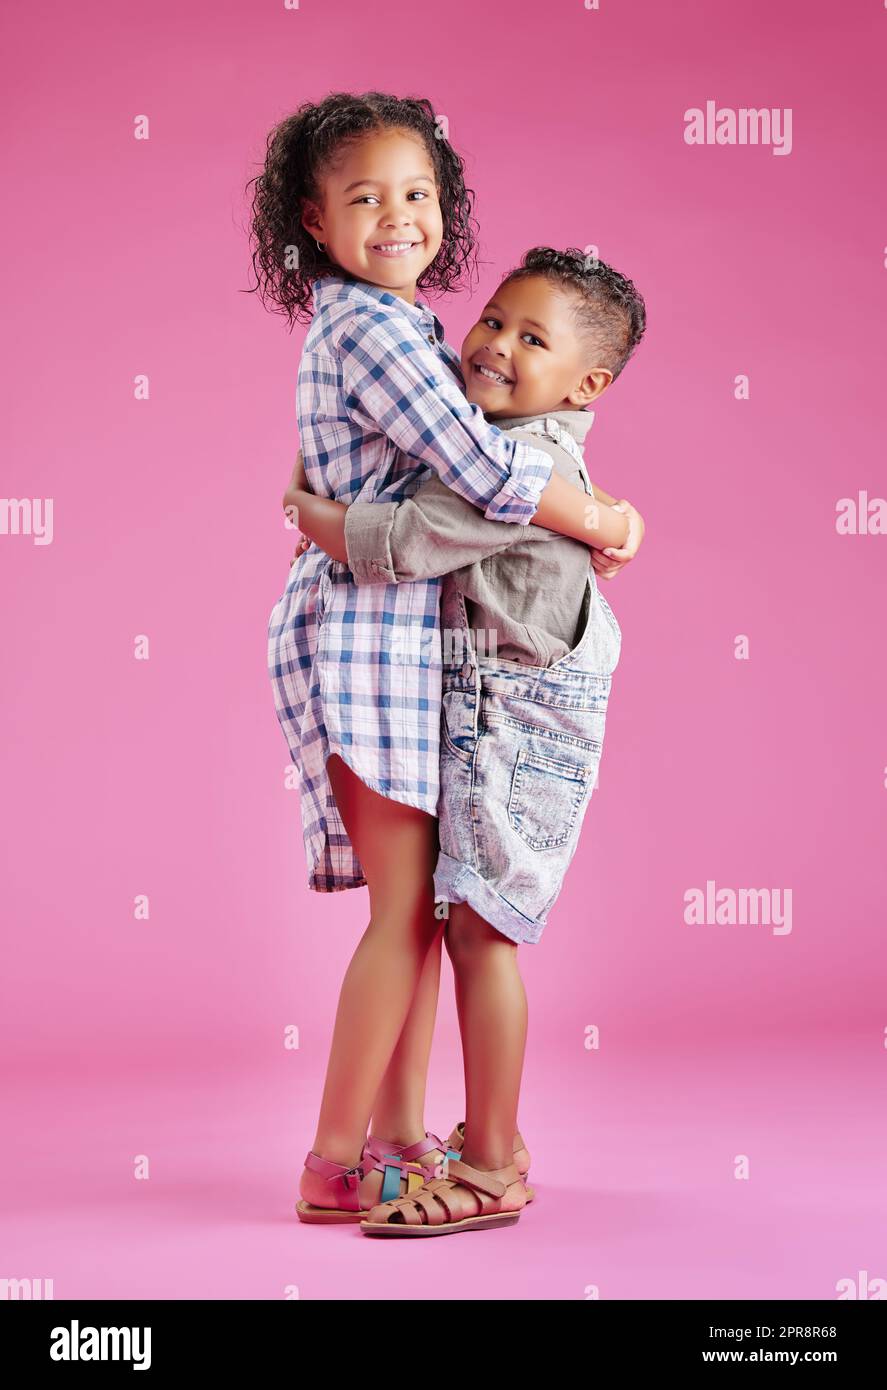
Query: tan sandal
{"points": [[465, 1200]]}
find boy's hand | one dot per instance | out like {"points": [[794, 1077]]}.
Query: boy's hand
{"points": [[303, 545], [612, 560]]}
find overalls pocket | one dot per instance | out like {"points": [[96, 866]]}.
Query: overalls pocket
{"points": [[457, 723], [546, 797]]}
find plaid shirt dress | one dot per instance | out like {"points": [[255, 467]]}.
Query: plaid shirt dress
{"points": [[356, 670]]}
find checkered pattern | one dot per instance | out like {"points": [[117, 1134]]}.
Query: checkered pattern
{"points": [[357, 670]]}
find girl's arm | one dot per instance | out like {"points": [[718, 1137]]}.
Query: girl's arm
{"points": [[567, 509], [603, 496], [394, 382], [321, 519]]}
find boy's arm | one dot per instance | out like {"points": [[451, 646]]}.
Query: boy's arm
{"points": [[431, 533]]}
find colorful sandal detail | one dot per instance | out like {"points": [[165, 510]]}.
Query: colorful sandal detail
{"points": [[344, 1184], [400, 1154]]}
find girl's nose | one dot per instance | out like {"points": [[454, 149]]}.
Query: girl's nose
{"points": [[395, 216]]}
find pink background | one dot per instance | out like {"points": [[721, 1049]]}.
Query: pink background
{"points": [[165, 777]]}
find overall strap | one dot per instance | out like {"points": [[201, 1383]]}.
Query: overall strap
{"points": [[559, 434]]}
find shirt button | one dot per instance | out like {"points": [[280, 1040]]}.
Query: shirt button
{"points": [[466, 669], [431, 337]]}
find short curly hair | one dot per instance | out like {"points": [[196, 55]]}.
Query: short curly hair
{"points": [[610, 311], [298, 150]]}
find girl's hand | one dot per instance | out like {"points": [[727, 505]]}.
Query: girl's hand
{"points": [[297, 483], [611, 561]]}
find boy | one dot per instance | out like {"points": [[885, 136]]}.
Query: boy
{"points": [[530, 645], [521, 612]]}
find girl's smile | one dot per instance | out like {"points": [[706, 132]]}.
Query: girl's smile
{"points": [[396, 248]]}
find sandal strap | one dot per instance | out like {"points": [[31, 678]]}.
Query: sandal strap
{"points": [[457, 1139], [472, 1177], [337, 1173], [382, 1149], [422, 1146], [395, 1169]]}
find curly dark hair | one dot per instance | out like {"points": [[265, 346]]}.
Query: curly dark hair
{"points": [[611, 314], [298, 150]]}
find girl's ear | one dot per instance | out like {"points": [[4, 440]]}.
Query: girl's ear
{"points": [[312, 221]]}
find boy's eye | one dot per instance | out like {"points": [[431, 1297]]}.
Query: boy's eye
{"points": [[534, 338], [492, 323]]}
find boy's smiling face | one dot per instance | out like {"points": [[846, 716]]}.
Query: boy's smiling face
{"points": [[525, 355]]}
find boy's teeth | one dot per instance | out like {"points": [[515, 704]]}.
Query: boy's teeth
{"points": [[493, 376]]}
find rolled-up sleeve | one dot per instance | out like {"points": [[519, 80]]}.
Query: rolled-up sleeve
{"points": [[422, 537], [394, 382], [367, 535]]}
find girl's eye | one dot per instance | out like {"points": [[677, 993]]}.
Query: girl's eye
{"points": [[364, 197], [534, 338], [492, 323]]}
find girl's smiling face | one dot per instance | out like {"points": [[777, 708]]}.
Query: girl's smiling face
{"points": [[525, 356], [380, 217]]}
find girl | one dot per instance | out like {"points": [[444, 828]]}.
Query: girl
{"points": [[359, 205]]}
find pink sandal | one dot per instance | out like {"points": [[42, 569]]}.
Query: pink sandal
{"points": [[394, 1160]]}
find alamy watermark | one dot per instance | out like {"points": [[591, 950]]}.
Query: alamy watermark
{"points": [[743, 125]]}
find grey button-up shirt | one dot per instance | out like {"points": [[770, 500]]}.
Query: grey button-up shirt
{"points": [[523, 585]]}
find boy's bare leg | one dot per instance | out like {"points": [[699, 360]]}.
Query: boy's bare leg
{"points": [[492, 1007]]}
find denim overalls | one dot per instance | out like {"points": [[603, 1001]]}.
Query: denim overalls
{"points": [[519, 755]]}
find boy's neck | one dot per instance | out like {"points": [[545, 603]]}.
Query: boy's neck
{"points": [[535, 414]]}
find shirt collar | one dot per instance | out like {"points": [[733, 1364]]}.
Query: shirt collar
{"points": [[578, 422], [329, 288]]}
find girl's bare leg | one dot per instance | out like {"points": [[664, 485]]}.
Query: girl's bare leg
{"points": [[399, 1107], [397, 846], [492, 1007]]}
